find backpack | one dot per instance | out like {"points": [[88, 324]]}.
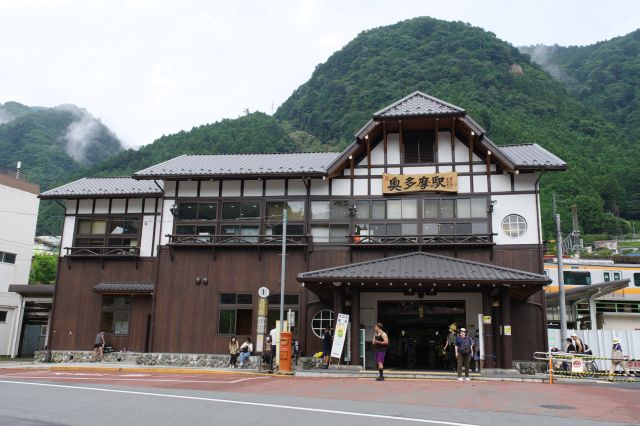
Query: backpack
{"points": [[465, 347]]}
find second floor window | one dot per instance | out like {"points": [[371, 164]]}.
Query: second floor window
{"points": [[107, 232]]}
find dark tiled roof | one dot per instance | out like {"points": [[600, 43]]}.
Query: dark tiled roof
{"points": [[315, 163], [118, 288], [424, 266], [32, 289], [532, 156], [586, 291], [103, 186], [418, 104]]}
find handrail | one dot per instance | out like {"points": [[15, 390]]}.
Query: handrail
{"points": [[124, 251], [442, 239], [230, 240]]}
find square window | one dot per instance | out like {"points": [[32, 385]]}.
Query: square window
{"points": [[231, 210], [409, 229], [430, 229], [244, 299], [479, 228], [463, 229], [3, 316], [9, 258], [362, 209], [207, 211], [320, 210], [378, 209], [377, 229], [394, 229], [464, 208], [409, 209], [227, 321], [340, 210], [446, 229], [394, 209], [430, 209], [320, 233], [187, 211], [447, 209], [250, 210], [185, 229], [98, 227], [227, 298], [339, 234], [84, 227], [479, 207]]}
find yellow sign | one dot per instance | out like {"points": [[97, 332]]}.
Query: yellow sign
{"points": [[437, 182], [507, 330], [486, 319]]}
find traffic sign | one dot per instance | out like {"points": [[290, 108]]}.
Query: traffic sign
{"points": [[263, 292]]}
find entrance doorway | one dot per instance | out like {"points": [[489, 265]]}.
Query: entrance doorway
{"points": [[418, 331]]}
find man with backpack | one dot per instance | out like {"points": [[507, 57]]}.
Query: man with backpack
{"points": [[464, 351]]}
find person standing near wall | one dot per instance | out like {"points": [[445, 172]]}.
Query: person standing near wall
{"points": [[617, 359], [448, 349], [380, 344], [326, 347], [98, 346], [234, 350], [464, 350]]}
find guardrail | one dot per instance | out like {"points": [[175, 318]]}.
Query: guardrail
{"points": [[237, 240], [580, 366], [107, 251]]}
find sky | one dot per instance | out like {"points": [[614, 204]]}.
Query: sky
{"points": [[153, 67]]}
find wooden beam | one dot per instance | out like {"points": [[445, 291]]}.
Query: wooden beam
{"points": [[453, 143], [368, 164], [401, 144], [471, 138], [435, 148], [384, 131]]}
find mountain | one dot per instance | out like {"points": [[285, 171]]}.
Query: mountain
{"points": [[604, 75], [252, 133], [514, 99], [53, 145]]}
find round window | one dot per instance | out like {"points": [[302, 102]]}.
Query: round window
{"points": [[514, 226], [321, 320]]}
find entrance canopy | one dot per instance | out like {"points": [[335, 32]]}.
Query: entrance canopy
{"points": [[586, 292], [124, 288], [422, 270]]}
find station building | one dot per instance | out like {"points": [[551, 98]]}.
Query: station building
{"points": [[420, 223]]}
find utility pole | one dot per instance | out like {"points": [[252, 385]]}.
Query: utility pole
{"points": [[283, 267], [563, 309]]}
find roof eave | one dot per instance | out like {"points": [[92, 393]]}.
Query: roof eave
{"points": [[448, 114], [98, 196], [229, 176]]}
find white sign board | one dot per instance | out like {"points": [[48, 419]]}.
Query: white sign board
{"points": [[263, 292], [339, 335], [577, 366]]}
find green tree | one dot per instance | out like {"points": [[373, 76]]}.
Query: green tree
{"points": [[43, 269]]}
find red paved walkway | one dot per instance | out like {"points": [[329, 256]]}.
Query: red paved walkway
{"points": [[589, 402]]}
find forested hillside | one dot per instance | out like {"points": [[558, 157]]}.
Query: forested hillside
{"points": [[53, 145], [513, 98]]}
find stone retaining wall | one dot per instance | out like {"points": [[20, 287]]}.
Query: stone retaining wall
{"points": [[168, 359]]}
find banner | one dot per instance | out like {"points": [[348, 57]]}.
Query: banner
{"points": [[435, 182], [339, 335]]}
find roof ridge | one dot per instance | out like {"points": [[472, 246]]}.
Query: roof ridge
{"points": [[261, 153], [414, 94]]}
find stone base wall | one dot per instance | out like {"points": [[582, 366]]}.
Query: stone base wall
{"points": [[168, 359]]}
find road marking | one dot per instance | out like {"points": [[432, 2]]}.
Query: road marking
{"points": [[256, 404], [138, 380]]}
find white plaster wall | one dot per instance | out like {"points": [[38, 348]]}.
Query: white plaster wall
{"points": [[188, 188], [252, 188], [360, 172], [170, 188], [360, 186], [209, 188], [8, 302], [377, 154], [480, 184], [149, 205], [419, 170], [446, 168], [444, 147], [369, 306], [525, 181], [102, 206], [231, 188], [167, 221], [376, 186], [85, 206], [134, 205], [275, 188], [525, 206], [464, 184], [480, 168], [319, 187], [118, 206], [341, 187], [296, 187], [501, 183], [71, 206], [462, 152], [146, 238], [393, 149], [67, 233]]}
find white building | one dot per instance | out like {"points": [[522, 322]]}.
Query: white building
{"points": [[18, 216]]}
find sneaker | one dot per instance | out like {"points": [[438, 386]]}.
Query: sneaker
{"points": [[467, 379], [460, 379], [380, 379]]}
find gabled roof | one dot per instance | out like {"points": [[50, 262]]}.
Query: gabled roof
{"points": [[532, 156], [122, 288], [103, 187], [229, 165], [418, 104], [424, 267]]}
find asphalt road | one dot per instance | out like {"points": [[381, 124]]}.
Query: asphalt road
{"points": [[81, 398]]}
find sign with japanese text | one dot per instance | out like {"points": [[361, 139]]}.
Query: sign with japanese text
{"points": [[436, 182], [339, 335]]}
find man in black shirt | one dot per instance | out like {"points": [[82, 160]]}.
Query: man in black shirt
{"points": [[326, 347]]}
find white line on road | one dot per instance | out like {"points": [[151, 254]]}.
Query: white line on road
{"points": [[256, 404], [138, 380]]}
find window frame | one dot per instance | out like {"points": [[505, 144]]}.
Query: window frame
{"points": [[510, 223], [114, 309], [234, 307], [106, 236], [331, 319]]}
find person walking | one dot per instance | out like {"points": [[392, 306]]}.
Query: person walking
{"points": [[617, 359], [464, 349], [326, 347], [234, 350], [245, 351], [98, 346], [273, 337], [380, 344], [448, 349]]}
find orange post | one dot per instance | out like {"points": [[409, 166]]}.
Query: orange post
{"points": [[550, 368], [285, 351]]}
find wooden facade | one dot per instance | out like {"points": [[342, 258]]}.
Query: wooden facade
{"points": [[196, 262]]}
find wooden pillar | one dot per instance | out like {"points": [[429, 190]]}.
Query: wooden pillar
{"points": [[453, 144], [384, 132], [355, 327], [505, 323], [401, 145], [489, 347]]}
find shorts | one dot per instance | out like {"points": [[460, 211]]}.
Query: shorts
{"points": [[97, 345], [380, 357]]}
